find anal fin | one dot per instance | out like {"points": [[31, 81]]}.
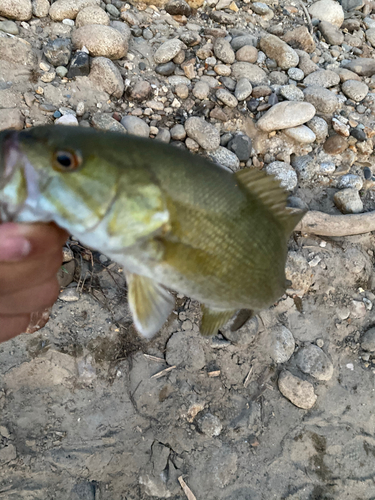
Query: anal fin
{"points": [[213, 319], [150, 303]]}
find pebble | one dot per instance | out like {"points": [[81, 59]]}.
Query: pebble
{"points": [[191, 145], [305, 63], [20, 10], [226, 98], [355, 90], [301, 134], [178, 132], [40, 8], [92, 15], [335, 145], [300, 38], [222, 69], [11, 118], [247, 53], [363, 66], [58, 52], [178, 8], [205, 134], [166, 69], [296, 74], [299, 392], [69, 295], [68, 9], [135, 126], [201, 90], [332, 34], [346, 74], [225, 158], [292, 93], [322, 78], [210, 425], [112, 10], [105, 121], [327, 10], [106, 76], [182, 91], [239, 41], [313, 361], [190, 38], [241, 145], [9, 27], [79, 65], [368, 340], [223, 51], [358, 134], [281, 52], [252, 72], [67, 119], [348, 201], [323, 99], [168, 50], [243, 89], [286, 114], [80, 109], [141, 90], [284, 173], [319, 126], [282, 344], [350, 181], [100, 40]]}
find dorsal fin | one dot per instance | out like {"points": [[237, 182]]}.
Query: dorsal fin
{"points": [[269, 191]]}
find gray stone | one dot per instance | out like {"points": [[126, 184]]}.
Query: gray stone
{"points": [[370, 36], [261, 9], [278, 50], [305, 167], [323, 99], [278, 78], [163, 135], [296, 74], [241, 145], [252, 72], [112, 10], [355, 90], [201, 90], [175, 80], [284, 173], [210, 425], [368, 340], [190, 38], [58, 52], [350, 181], [299, 392], [243, 89], [205, 134], [11, 118], [292, 93], [286, 114], [135, 126], [9, 27], [185, 349], [282, 343], [226, 98], [100, 41], [331, 33], [247, 53], [79, 64], [104, 121], [178, 132], [224, 51], [166, 69], [363, 66], [322, 78], [228, 82], [20, 10], [314, 361], [327, 10], [301, 134], [83, 491], [351, 4], [168, 50], [106, 76], [319, 126], [225, 158], [305, 63], [348, 201], [239, 41], [61, 71]]}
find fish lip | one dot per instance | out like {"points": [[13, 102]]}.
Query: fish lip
{"points": [[10, 154]]}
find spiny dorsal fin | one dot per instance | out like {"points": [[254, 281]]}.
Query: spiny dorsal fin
{"points": [[269, 191]]}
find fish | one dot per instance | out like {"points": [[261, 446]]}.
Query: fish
{"points": [[173, 220]]}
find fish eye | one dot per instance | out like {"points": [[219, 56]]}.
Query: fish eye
{"points": [[66, 161]]}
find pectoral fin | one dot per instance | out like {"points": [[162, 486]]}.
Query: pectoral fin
{"points": [[213, 319], [150, 304]]}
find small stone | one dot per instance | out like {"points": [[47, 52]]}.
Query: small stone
{"points": [[247, 53], [314, 361], [300, 38], [222, 69], [226, 98], [92, 15], [255, 75], [190, 38], [346, 74], [292, 93], [11, 118], [281, 52], [191, 145], [305, 63], [296, 74], [205, 134], [331, 33], [135, 126], [58, 52], [182, 91], [358, 134], [281, 344], [327, 10], [350, 181], [79, 65], [261, 8], [239, 41], [348, 201], [166, 69], [69, 295], [218, 114], [201, 90], [223, 51], [243, 89], [241, 145], [362, 66], [9, 27], [323, 99], [67, 120], [141, 90], [100, 41], [20, 10], [286, 115], [301, 134], [299, 392], [210, 425], [104, 121], [322, 78], [335, 145], [319, 126], [284, 173], [61, 71], [178, 8], [370, 36], [340, 127], [178, 132], [225, 158], [112, 10], [355, 90], [368, 340], [40, 8], [68, 9], [163, 135], [106, 76], [168, 50]]}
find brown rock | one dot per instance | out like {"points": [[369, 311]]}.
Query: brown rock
{"points": [[301, 39], [335, 145], [261, 91], [247, 53], [141, 90]]}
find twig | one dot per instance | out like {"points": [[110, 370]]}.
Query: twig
{"points": [[308, 18], [215, 373], [163, 372], [315, 222], [247, 379], [154, 358], [189, 494]]}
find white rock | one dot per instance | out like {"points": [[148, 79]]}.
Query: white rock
{"points": [[282, 344], [327, 10], [301, 134], [67, 120], [100, 41], [286, 115], [68, 9], [299, 392], [284, 173], [20, 10], [225, 158], [106, 76]]}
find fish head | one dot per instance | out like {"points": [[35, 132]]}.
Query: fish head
{"points": [[52, 173]]}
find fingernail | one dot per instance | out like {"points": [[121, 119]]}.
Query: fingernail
{"points": [[14, 248]]}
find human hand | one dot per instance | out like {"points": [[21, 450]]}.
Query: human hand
{"points": [[30, 256]]}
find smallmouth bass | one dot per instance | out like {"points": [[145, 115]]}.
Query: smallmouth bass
{"points": [[173, 220]]}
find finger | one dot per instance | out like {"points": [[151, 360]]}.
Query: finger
{"points": [[26, 301], [11, 326]]}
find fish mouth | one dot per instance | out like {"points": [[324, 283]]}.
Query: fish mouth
{"points": [[10, 155]]}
